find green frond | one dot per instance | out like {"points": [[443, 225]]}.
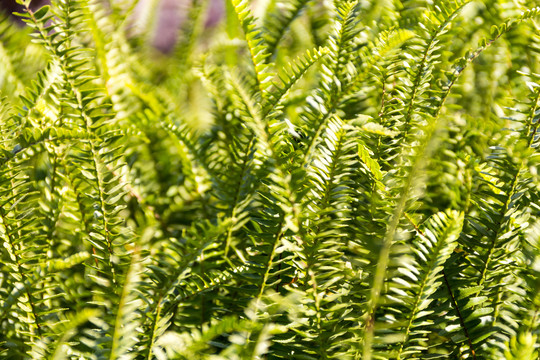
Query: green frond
{"points": [[522, 347], [61, 348], [257, 46], [324, 239], [433, 248], [289, 77], [322, 105], [371, 164], [127, 317], [193, 30], [278, 20], [377, 55], [436, 24]]}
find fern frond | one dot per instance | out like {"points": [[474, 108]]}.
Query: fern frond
{"points": [[127, 318], [436, 24], [522, 347], [278, 20], [258, 49], [322, 105], [433, 248], [291, 75], [324, 241]]}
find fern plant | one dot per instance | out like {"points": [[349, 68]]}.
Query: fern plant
{"points": [[329, 179]]}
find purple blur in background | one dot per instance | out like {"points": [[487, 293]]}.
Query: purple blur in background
{"points": [[171, 15], [11, 6]]}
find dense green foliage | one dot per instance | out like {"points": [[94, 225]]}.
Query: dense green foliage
{"points": [[310, 179]]}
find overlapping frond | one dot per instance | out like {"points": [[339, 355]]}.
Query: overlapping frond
{"points": [[258, 49], [278, 20]]}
